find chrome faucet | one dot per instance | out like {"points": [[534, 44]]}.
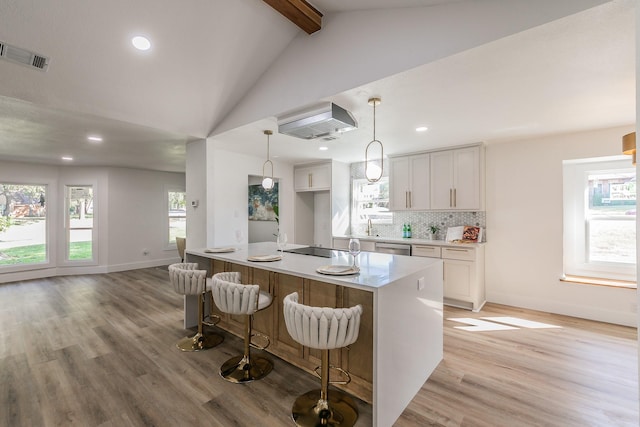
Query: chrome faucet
{"points": [[369, 227]]}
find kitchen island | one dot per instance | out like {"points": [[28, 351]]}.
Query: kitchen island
{"points": [[400, 340]]}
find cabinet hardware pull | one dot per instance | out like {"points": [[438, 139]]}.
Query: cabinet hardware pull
{"points": [[410, 198], [406, 199], [457, 250], [450, 197], [310, 180], [455, 197]]}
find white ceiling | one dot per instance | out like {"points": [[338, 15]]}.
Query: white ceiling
{"points": [[332, 6], [573, 74]]}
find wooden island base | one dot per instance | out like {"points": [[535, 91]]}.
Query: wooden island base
{"points": [[400, 338], [357, 359]]}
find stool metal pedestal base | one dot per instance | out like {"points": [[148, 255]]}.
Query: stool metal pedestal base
{"points": [[309, 411], [199, 342], [241, 369]]}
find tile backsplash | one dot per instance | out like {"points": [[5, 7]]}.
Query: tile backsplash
{"points": [[420, 222]]}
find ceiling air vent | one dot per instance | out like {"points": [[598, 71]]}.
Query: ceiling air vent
{"points": [[23, 56]]}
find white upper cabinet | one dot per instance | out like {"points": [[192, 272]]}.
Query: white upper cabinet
{"points": [[313, 177], [409, 182], [456, 179], [321, 202]]}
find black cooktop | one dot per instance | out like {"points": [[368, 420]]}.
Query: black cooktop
{"points": [[314, 251]]}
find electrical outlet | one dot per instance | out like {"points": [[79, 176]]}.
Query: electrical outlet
{"points": [[421, 283]]}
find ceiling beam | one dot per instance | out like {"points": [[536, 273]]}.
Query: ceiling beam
{"points": [[300, 13]]}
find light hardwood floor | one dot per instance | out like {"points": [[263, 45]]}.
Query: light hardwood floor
{"points": [[99, 350]]}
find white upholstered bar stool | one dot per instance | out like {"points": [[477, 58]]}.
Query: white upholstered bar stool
{"points": [[325, 329], [233, 297], [188, 280]]}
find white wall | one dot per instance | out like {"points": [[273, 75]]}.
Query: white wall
{"points": [[131, 215], [322, 235], [524, 225], [227, 194], [636, 130], [137, 212], [262, 231], [196, 181]]}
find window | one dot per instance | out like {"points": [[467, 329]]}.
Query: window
{"points": [[79, 223], [371, 201], [177, 215], [600, 219], [23, 224]]}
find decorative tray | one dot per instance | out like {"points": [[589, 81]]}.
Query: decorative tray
{"points": [[264, 258], [219, 250], [338, 270]]}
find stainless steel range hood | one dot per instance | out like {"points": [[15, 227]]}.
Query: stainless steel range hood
{"points": [[318, 121]]}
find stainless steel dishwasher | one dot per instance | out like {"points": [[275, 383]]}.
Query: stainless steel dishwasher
{"points": [[393, 248]]}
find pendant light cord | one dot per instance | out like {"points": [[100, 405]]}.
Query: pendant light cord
{"points": [[373, 102], [267, 146], [267, 181], [374, 120]]}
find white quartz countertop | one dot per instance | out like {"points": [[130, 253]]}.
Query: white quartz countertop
{"points": [[408, 241], [376, 269]]}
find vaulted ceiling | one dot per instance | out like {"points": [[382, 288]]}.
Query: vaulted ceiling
{"points": [[210, 58]]}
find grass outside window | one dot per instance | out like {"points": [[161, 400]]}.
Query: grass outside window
{"points": [[36, 254]]}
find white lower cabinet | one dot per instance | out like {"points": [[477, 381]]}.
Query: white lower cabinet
{"points": [[343, 243], [458, 278], [463, 273], [366, 246], [340, 243]]}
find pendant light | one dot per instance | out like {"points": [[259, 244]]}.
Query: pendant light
{"points": [[267, 181], [372, 171]]}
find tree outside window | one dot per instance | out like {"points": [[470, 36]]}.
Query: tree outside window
{"points": [[23, 224]]}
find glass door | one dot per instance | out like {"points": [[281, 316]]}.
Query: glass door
{"points": [[79, 222]]}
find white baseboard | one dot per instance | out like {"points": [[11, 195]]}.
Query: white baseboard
{"points": [[141, 264], [74, 271], [558, 307], [27, 275]]}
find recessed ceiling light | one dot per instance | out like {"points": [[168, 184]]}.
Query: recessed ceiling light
{"points": [[141, 43], [67, 158], [323, 148], [422, 129], [94, 138]]}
